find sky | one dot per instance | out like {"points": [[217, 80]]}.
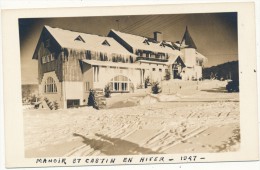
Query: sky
{"points": [[215, 34]]}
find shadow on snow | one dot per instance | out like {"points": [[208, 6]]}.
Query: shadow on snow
{"points": [[217, 90], [115, 146]]}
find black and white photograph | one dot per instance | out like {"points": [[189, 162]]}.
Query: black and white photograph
{"points": [[125, 85], [146, 86]]}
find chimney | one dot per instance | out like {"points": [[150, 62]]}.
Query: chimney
{"points": [[158, 36]]}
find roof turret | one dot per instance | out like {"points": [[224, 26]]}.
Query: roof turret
{"points": [[187, 41]]}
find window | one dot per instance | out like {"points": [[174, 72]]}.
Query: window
{"points": [[154, 69], [96, 73], [146, 42], [152, 55], [50, 86], [43, 59], [87, 87], [160, 69], [199, 62], [120, 83], [105, 43], [73, 103], [79, 38], [52, 57], [48, 58], [162, 44]]}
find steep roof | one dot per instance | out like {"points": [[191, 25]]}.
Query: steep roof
{"points": [[83, 41], [187, 41], [144, 43]]}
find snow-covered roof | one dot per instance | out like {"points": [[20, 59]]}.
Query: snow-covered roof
{"points": [[187, 41], [114, 64], [143, 43], [83, 41], [200, 56], [172, 59]]}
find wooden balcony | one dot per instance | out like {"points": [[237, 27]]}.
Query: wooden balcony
{"points": [[151, 59]]}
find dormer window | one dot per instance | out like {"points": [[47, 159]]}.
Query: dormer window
{"points": [[146, 42], [79, 38], [105, 43], [162, 44]]}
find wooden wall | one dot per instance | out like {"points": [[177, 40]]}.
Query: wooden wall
{"points": [[55, 65], [71, 65], [42, 50]]}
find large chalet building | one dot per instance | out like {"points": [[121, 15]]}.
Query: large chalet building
{"points": [[71, 63]]}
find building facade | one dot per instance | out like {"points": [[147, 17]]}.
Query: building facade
{"points": [[71, 63], [154, 53], [193, 60]]}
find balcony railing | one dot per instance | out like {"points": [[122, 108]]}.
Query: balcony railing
{"points": [[151, 59]]}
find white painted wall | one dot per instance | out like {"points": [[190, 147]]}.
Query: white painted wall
{"points": [[155, 75], [73, 90], [105, 74], [58, 96], [198, 70], [188, 74], [194, 72], [192, 69], [189, 56]]}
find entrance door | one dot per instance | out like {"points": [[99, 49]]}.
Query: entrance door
{"points": [[175, 74]]}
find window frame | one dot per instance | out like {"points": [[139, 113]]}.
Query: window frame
{"points": [[48, 58], [50, 86], [87, 86], [120, 83]]}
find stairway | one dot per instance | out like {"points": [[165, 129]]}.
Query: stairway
{"points": [[100, 98]]}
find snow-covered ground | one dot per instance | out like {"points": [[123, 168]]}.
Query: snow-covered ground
{"points": [[202, 120]]}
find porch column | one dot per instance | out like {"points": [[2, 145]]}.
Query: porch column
{"points": [[171, 72], [128, 84], [97, 73], [64, 100], [143, 75], [113, 84], [94, 70]]}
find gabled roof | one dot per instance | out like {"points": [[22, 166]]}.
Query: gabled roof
{"points": [[175, 58], [187, 41], [83, 41], [139, 42]]}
